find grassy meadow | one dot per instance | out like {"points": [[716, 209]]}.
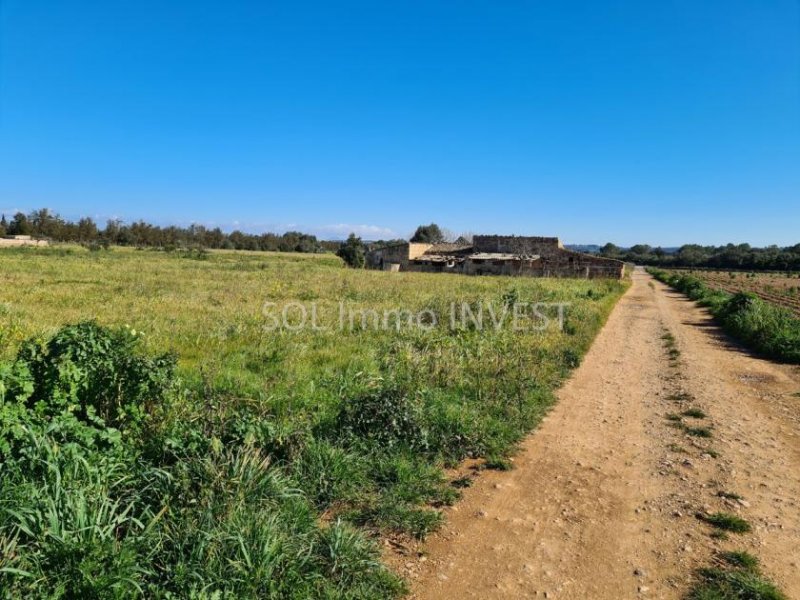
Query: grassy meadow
{"points": [[181, 446]]}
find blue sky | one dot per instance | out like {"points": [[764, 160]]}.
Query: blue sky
{"points": [[660, 122]]}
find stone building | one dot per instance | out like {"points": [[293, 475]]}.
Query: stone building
{"points": [[495, 255]]}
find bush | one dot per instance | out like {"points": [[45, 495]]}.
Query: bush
{"points": [[93, 373], [353, 252], [385, 417]]}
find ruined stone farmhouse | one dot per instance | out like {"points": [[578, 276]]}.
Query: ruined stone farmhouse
{"points": [[495, 255]]}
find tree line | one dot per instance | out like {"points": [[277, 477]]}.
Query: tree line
{"points": [[730, 256], [43, 223]]}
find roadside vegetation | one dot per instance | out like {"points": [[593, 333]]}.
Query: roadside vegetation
{"points": [[159, 438], [736, 576], [768, 329]]}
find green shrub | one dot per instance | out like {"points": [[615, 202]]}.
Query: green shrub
{"points": [[93, 373], [386, 416]]}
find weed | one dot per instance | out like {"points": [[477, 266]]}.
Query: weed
{"points": [[680, 397], [736, 578], [677, 448], [694, 413], [703, 432], [498, 463], [462, 482], [728, 495], [742, 560], [726, 522]]}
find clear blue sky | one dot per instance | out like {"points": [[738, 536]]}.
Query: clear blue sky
{"points": [[660, 122]]}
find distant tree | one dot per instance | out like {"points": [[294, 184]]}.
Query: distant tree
{"points": [[640, 249], [19, 225], [465, 238], [611, 250], [428, 234], [86, 230], [353, 252], [448, 236], [112, 234], [3, 226], [45, 223], [692, 255]]}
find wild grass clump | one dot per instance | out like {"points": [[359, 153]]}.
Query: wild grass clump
{"points": [[726, 522], [735, 577], [694, 413], [767, 328], [728, 495], [703, 432]]}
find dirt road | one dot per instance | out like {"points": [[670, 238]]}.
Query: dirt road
{"points": [[603, 498]]}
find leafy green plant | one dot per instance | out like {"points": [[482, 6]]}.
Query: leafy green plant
{"points": [[93, 373], [385, 416]]}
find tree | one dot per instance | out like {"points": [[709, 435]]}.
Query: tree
{"points": [[86, 230], [19, 225], [465, 238], [428, 234], [610, 249], [47, 224], [640, 249], [353, 252], [3, 226]]}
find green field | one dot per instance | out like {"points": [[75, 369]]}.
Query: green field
{"points": [[266, 462]]}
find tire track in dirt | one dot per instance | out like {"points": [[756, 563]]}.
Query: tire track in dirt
{"points": [[600, 505]]}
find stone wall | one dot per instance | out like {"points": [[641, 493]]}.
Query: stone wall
{"points": [[396, 254], [512, 244]]}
